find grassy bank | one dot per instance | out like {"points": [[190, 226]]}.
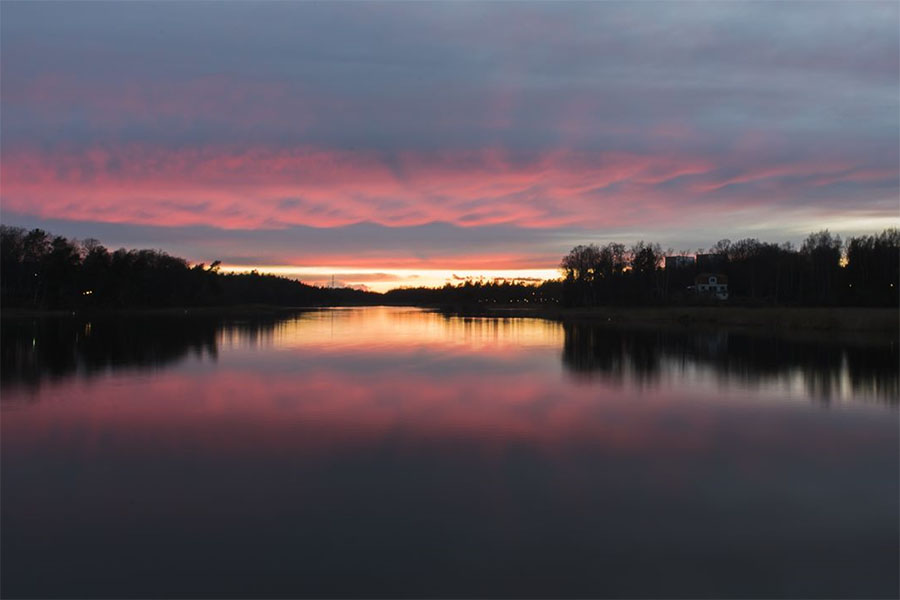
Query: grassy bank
{"points": [[775, 318], [245, 310]]}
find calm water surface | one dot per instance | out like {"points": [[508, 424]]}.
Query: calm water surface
{"points": [[397, 452]]}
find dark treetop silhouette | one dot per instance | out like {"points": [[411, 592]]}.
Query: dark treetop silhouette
{"points": [[45, 272], [42, 271]]}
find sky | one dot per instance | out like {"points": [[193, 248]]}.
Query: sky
{"points": [[413, 143]]}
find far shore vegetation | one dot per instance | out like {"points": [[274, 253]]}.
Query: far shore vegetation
{"points": [[767, 284]]}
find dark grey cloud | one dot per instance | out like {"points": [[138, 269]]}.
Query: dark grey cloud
{"points": [[741, 87], [403, 75]]}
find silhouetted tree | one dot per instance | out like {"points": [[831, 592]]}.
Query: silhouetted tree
{"points": [[757, 272], [40, 271], [822, 250], [873, 266], [645, 259]]}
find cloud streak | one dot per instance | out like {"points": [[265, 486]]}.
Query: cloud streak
{"points": [[269, 188], [570, 119]]}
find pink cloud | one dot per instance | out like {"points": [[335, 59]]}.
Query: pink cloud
{"points": [[760, 173], [259, 187], [463, 261]]}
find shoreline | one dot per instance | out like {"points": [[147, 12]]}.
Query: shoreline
{"points": [[821, 318], [244, 310], [776, 320]]}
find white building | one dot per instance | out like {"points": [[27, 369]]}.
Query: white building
{"points": [[712, 284]]}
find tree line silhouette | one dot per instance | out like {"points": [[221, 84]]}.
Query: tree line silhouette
{"points": [[38, 270], [479, 293], [823, 271]]}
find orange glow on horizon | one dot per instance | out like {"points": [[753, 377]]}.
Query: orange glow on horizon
{"points": [[384, 279]]}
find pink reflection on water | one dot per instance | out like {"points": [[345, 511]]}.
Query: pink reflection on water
{"points": [[240, 413], [352, 380]]}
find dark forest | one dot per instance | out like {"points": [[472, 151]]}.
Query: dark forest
{"points": [[42, 271]]}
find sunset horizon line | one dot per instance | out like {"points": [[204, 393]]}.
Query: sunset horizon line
{"points": [[380, 276]]}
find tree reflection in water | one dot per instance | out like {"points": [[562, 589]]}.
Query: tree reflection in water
{"points": [[36, 349], [825, 367]]}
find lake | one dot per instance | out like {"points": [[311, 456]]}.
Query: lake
{"points": [[400, 452]]}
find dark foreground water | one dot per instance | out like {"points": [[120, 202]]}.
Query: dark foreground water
{"points": [[396, 452]]}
